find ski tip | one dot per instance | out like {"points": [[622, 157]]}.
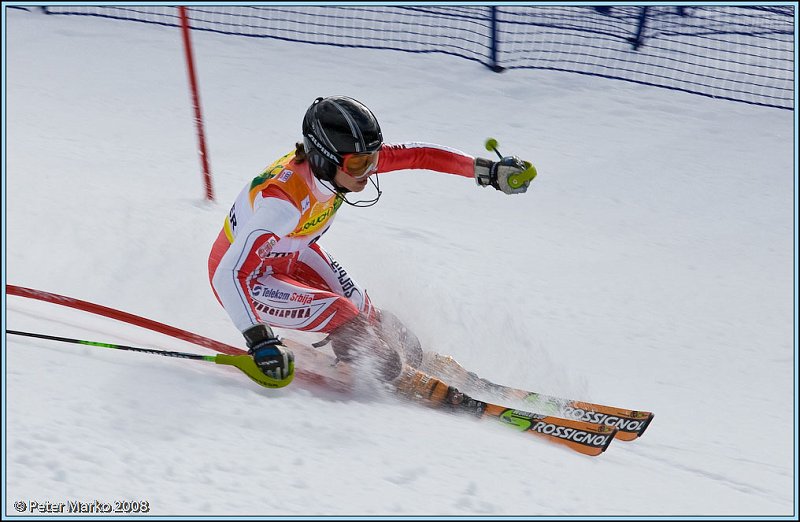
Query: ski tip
{"points": [[641, 419], [607, 444], [594, 450], [647, 422]]}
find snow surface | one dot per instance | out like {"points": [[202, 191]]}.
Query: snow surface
{"points": [[649, 267]]}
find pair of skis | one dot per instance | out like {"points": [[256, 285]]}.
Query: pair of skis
{"points": [[585, 427], [590, 437]]}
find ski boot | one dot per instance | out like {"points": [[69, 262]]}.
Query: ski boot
{"points": [[421, 387], [462, 402]]}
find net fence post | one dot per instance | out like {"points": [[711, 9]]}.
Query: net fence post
{"points": [[637, 39], [495, 40]]}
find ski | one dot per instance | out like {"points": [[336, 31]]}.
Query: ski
{"points": [[629, 424], [584, 437]]}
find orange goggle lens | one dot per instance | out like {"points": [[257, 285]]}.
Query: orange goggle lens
{"points": [[359, 165]]}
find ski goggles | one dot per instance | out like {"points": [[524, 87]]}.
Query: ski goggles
{"points": [[360, 164]]}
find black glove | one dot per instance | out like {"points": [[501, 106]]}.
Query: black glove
{"points": [[268, 353], [496, 173]]}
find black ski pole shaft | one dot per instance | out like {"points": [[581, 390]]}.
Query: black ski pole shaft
{"points": [[244, 363], [182, 355]]}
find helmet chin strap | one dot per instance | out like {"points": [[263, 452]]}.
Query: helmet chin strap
{"points": [[341, 191], [367, 202]]}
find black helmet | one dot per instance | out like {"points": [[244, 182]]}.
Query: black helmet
{"points": [[335, 126]]}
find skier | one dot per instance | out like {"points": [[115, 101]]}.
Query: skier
{"points": [[267, 268]]}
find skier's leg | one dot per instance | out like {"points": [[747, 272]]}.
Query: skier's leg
{"points": [[317, 267], [381, 336], [359, 336], [281, 301], [357, 339], [319, 264], [399, 337]]}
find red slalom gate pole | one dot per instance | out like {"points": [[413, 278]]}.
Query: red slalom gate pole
{"points": [[198, 116], [125, 317]]}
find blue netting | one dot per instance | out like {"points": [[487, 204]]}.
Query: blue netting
{"points": [[741, 53]]}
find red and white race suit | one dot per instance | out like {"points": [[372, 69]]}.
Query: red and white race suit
{"points": [[266, 265]]}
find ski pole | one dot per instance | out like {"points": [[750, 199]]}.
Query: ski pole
{"points": [[243, 362], [514, 180]]}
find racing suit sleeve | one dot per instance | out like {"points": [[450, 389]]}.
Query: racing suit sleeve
{"points": [[428, 156], [272, 219]]}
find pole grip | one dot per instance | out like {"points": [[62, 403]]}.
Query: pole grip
{"points": [[247, 365], [517, 180]]}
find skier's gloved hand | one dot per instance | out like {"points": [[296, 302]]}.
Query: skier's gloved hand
{"points": [[497, 173], [269, 354]]}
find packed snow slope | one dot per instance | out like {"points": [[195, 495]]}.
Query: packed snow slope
{"points": [[650, 266]]}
